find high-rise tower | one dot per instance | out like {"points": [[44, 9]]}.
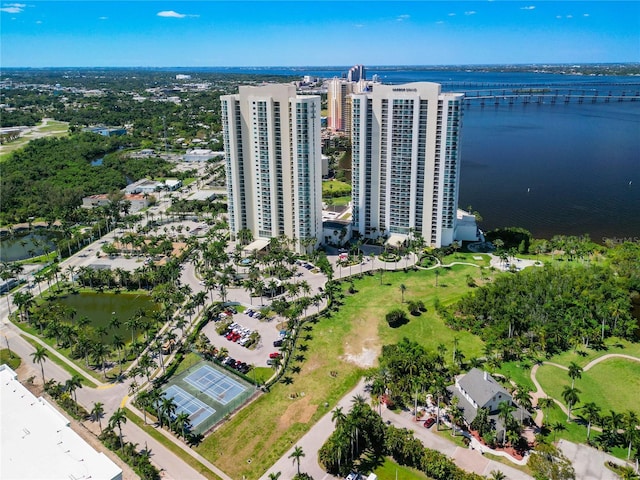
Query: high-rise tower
{"points": [[272, 145], [406, 162]]}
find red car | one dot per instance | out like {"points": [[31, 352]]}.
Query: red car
{"points": [[274, 355], [428, 423]]}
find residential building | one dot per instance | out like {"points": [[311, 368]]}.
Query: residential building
{"points": [[338, 92], [406, 163], [201, 155], [38, 442], [273, 160], [478, 389]]}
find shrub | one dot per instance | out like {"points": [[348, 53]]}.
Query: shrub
{"points": [[396, 318]]}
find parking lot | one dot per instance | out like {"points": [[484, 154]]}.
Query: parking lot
{"points": [[258, 355]]}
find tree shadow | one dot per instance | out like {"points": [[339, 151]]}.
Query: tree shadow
{"points": [[287, 380], [303, 347], [299, 358], [307, 328], [308, 337], [296, 369]]}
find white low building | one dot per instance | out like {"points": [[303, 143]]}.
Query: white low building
{"points": [[38, 442], [201, 155]]}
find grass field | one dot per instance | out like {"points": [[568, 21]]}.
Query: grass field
{"points": [[347, 342], [10, 359], [390, 470], [612, 385], [335, 187]]}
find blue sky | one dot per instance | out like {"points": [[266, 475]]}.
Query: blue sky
{"points": [[315, 33]]}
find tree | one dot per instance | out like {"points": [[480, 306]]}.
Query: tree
{"points": [[118, 418], [570, 395], [396, 318], [630, 422], [575, 371], [403, 288], [296, 455], [590, 413], [274, 476], [523, 398], [505, 409], [547, 462], [557, 427], [497, 475], [96, 412], [338, 417], [40, 356]]}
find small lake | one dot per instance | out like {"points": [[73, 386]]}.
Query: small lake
{"points": [[100, 307], [20, 247]]}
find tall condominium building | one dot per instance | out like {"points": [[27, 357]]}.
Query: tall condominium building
{"points": [[272, 144], [406, 162], [338, 92]]}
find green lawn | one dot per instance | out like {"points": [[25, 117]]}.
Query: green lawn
{"points": [[340, 201], [612, 385], [614, 345], [335, 187], [54, 128], [390, 470], [519, 372], [374, 301], [266, 428], [9, 358]]}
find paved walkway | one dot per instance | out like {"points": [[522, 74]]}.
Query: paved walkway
{"points": [[540, 393]]}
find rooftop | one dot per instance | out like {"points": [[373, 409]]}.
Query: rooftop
{"points": [[38, 442]]}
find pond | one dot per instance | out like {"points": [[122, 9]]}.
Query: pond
{"points": [[20, 247], [101, 307]]}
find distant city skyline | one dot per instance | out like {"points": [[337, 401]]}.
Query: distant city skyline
{"points": [[304, 33]]}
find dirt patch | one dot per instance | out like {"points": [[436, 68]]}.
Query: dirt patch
{"points": [[363, 346], [301, 410]]}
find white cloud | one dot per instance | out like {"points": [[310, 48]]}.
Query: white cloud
{"points": [[439, 22], [13, 7], [38, 22], [400, 18], [558, 16], [452, 14], [174, 14], [359, 25], [530, 7], [585, 14], [470, 12], [569, 16]]}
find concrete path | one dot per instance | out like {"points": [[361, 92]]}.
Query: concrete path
{"points": [[540, 393]]}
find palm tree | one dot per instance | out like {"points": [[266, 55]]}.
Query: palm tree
{"points": [[117, 419], [338, 417], [167, 409], [96, 412], [570, 395], [40, 356], [275, 476], [575, 371], [591, 413], [296, 455], [630, 429], [544, 403], [505, 409], [403, 288], [118, 344], [557, 427], [72, 384], [497, 475], [523, 398], [182, 423]]}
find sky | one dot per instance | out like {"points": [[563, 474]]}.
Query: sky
{"points": [[96, 33]]}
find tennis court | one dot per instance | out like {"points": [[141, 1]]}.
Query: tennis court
{"points": [[185, 402], [208, 393], [222, 388]]}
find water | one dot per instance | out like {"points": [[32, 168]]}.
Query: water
{"points": [[554, 169], [20, 247], [100, 307]]}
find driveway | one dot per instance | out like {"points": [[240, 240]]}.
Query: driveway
{"points": [[589, 462]]}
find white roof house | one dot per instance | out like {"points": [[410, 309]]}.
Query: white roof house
{"points": [[38, 442]]}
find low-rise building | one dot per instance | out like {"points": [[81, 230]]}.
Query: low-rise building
{"points": [[137, 201], [201, 155], [38, 442]]}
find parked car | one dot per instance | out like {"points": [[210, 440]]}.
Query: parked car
{"points": [[277, 343], [428, 423], [274, 355]]}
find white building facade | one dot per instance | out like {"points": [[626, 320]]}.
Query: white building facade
{"points": [[406, 162], [273, 159]]}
